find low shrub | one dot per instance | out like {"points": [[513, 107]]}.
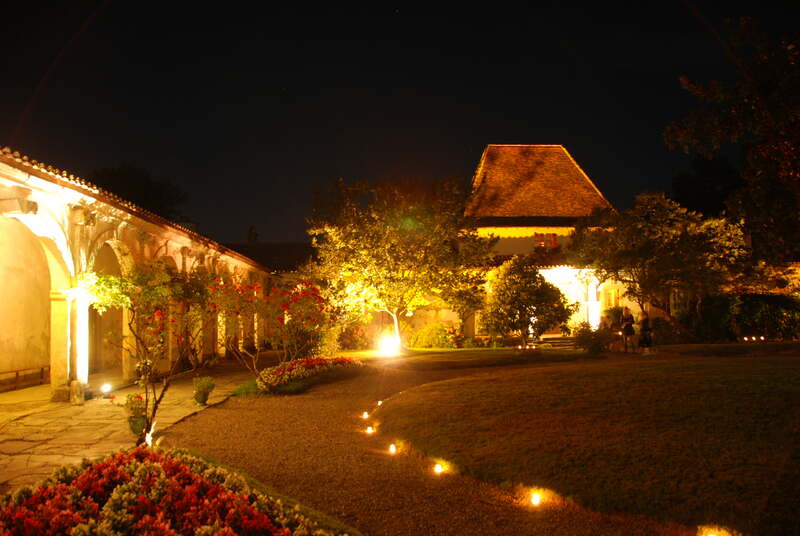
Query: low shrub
{"points": [[148, 491], [433, 335], [290, 377], [593, 341], [354, 338]]}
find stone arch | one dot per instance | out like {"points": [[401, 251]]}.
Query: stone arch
{"points": [[106, 330], [25, 284]]}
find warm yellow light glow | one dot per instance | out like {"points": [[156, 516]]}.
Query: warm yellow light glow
{"points": [[713, 530], [82, 298], [389, 345], [380, 402], [521, 232], [762, 337], [745, 338], [365, 415], [370, 430], [148, 437], [392, 449], [105, 388], [438, 469], [536, 499]]}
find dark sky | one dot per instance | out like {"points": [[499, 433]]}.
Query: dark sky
{"points": [[253, 109]]}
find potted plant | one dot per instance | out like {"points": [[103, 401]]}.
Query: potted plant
{"points": [[203, 385], [136, 408]]}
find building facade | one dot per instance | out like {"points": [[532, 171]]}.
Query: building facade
{"points": [[54, 227], [531, 197]]}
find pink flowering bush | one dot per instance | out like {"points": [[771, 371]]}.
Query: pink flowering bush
{"points": [[144, 491], [273, 378]]}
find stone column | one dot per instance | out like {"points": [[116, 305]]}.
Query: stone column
{"points": [[59, 346]]}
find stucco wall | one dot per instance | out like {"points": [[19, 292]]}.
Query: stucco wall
{"points": [[24, 298]]}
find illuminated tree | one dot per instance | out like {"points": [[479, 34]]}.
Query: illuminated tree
{"points": [[657, 248], [397, 247], [521, 301], [152, 293], [760, 113], [291, 317]]}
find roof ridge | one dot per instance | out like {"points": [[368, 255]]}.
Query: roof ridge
{"points": [[585, 176]]}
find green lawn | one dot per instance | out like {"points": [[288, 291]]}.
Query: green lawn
{"points": [[691, 439], [455, 358]]}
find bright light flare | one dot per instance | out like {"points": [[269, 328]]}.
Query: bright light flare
{"points": [[148, 437], [389, 345], [105, 388], [370, 430], [713, 530], [380, 402], [365, 415], [438, 469], [392, 449], [536, 498]]}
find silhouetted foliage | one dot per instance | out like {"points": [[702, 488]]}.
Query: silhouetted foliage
{"points": [[760, 113], [707, 186], [137, 185]]}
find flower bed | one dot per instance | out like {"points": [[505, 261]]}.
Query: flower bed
{"points": [[273, 378], [144, 491]]}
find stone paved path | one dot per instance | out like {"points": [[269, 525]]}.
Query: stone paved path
{"points": [[36, 436]]}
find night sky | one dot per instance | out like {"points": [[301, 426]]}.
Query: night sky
{"points": [[251, 110]]}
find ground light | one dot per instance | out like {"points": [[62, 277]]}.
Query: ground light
{"points": [[438, 469], [536, 498], [370, 430], [365, 415], [389, 345], [392, 449], [380, 402], [106, 390], [713, 530]]}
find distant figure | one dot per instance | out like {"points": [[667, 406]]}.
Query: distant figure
{"points": [[646, 335], [627, 329], [252, 234]]}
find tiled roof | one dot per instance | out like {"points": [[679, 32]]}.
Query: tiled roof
{"points": [[277, 256], [69, 180], [531, 183]]}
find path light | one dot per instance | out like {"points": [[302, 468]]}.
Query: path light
{"points": [[389, 345], [712, 530], [380, 402], [536, 498], [365, 415], [106, 390], [762, 337], [745, 339], [392, 449], [148, 437], [438, 469], [370, 430]]}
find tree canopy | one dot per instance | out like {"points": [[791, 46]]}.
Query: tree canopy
{"points": [[138, 185], [658, 247], [521, 301], [396, 247], [760, 111]]}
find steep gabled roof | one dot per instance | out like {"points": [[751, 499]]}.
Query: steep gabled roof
{"points": [[531, 185]]}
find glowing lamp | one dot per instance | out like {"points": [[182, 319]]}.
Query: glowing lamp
{"points": [[619, 333], [370, 430], [745, 339], [762, 337], [392, 449], [365, 415], [389, 345], [536, 499], [380, 402], [438, 469]]}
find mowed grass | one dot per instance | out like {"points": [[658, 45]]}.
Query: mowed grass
{"points": [[456, 358], [693, 440]]}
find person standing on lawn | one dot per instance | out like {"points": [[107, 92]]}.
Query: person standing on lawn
{"points": [[627, 329]]}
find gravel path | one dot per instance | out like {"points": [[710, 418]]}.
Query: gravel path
{"points": [[311, 447]]}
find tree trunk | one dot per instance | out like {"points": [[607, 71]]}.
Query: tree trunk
{"points": [[396, 324]]}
